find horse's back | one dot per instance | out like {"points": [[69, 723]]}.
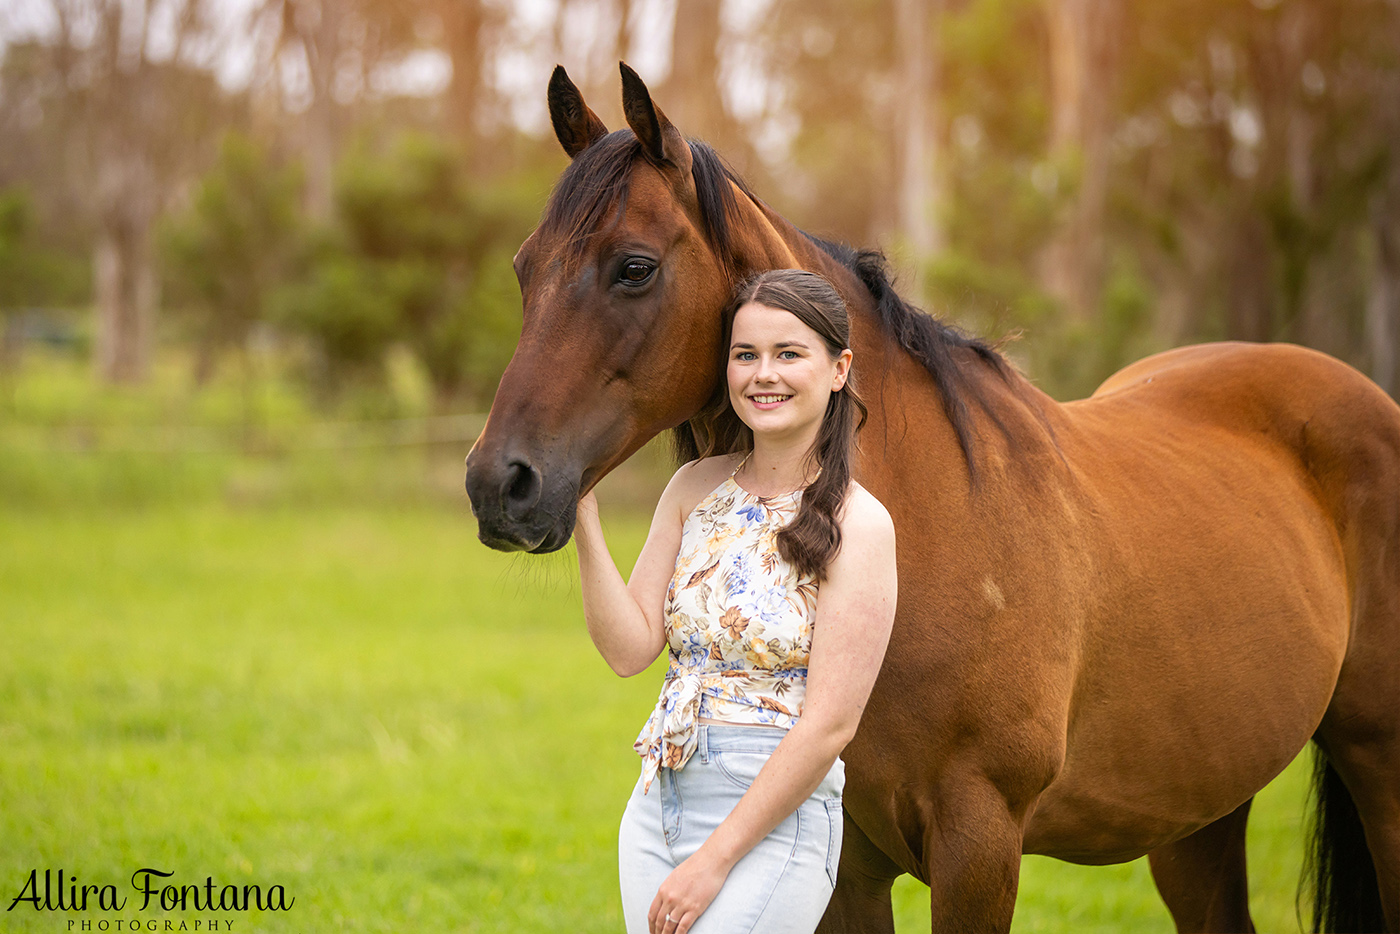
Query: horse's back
{"points": [[1240, 374], [1341, 428]]}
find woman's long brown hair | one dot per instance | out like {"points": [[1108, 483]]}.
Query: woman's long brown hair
{"points": [[813, 537]]}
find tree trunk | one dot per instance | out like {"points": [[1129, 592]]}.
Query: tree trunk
{"points": [[1383, 306], [124, 275], [1250, 315], [320, 161], [691, 92], [126, 290], [1084, 40], [1290, 130], [462, 22], [11, 348], [318, 29], [919, 189], [622, 39]]}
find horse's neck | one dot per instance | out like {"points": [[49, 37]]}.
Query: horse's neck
{"points": [[907, 420], [768, 240]]}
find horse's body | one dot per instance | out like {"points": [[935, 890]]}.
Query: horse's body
{"points": [[1119, 618]]}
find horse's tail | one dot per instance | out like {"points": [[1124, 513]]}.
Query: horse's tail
{"points": [[1338, 866]]}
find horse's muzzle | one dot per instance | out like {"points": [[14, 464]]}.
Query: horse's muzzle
{"points": [[516, 508]]}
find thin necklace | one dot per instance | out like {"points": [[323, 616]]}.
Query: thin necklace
{"points": [[734, 477]]}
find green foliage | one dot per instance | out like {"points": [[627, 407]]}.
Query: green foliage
{"points": [[415, 256], [1004, 92], [1069, 356], [31, 273], [340, 303], [1247, 155], [996, 299], [1076, 355], [234, 246], [1246, 152]]}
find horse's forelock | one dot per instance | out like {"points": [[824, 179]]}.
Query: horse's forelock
{"points": [[592, 193], [592, 188]]}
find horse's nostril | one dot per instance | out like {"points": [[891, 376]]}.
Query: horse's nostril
{"points": [[522, 487]]}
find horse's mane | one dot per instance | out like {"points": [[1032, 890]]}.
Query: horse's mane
{"points": [[928, 340], [592, 194]]}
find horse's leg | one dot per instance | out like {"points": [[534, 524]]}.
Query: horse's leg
{"points": [[861, 902], [1202, 877], [972, 859]]}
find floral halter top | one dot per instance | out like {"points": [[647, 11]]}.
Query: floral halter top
{"points": [[738, 625]]}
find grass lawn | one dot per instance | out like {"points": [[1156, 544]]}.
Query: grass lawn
{"points": [[363, 705]]}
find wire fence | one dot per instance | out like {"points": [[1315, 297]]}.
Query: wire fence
{"points": [[368, 434]]}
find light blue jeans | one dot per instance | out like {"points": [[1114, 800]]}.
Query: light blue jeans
{"points": [[780, 887]]}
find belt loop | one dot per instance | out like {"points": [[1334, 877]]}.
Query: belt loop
{"points": [[703, 743]]}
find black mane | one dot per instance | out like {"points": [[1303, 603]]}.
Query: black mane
{"points": [[592, 194], [925, 338]]}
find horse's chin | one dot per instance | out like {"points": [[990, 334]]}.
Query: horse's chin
{"points": [[553, 541], [534, 538]]}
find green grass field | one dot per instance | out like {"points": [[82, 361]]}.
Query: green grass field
{"points": [[363, 705]]}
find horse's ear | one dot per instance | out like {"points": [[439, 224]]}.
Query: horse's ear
{"points": [[576, 126], [662, 143]]}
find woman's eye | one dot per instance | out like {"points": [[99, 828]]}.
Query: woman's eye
{"points": [[788, 355], [744, 355], [636, 271]]}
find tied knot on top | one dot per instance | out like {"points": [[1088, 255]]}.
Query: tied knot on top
{"points": [[671, 734]]}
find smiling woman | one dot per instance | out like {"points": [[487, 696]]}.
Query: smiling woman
{"points": [[770, 366], [774, 631]]}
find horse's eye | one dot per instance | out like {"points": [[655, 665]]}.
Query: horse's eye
{"points": [[636, 271]]}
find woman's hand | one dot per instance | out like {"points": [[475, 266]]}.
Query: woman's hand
{"points": [[587, 506], [685, 894]]}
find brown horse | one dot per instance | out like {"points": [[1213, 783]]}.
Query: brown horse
{"points": [[1119, 618]]}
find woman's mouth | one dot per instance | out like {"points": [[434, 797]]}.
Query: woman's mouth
{"points": [[768, 400]]}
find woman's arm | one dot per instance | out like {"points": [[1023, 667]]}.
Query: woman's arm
{"points": [[855, 610], [625, 619]]}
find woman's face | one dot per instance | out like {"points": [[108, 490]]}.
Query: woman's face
{"points": [[780, 373]]}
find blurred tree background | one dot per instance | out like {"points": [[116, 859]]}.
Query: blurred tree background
{"points": [[328, 192]]}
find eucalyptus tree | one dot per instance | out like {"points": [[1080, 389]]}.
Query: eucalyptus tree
{"points": [[324, 56], [129, 85]]}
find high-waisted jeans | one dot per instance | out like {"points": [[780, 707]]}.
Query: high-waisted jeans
{"points": [[781, 885]]}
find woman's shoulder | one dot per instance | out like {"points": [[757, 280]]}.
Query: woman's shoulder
{"points": [[694, 481], [864, 515], [867, 556], [703, 469]]}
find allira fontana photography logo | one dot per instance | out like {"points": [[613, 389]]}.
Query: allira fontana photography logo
{"points": [[148, 891]]}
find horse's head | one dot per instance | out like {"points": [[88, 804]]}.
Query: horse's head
{"points": [[622, 283]]}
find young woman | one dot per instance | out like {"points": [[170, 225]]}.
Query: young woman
{"points": [[769, 575]]}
